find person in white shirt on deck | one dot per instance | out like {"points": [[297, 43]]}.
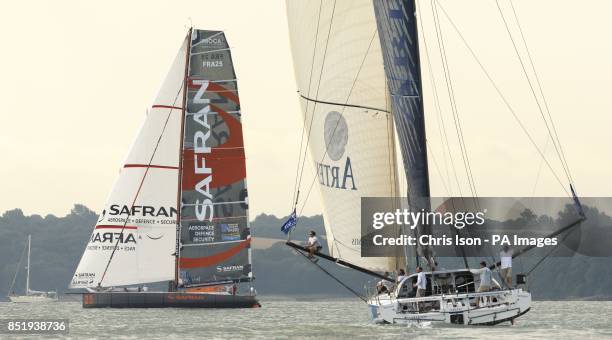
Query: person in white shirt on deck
{"points": [[506, 265], [485, 278], [421, 284], [313, 245]]}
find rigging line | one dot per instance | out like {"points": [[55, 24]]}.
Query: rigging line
{"points": [[333, 277], [393, 180], [518, 24], [440, 120], [550, 252], [503, 98], [345, 246], [391, 165], [18, 267], [455, 111], [331, 24], [337, 248], [341, 115], [314, 53], [391, 153], [437, 167], [144, 176], [397, 173], [533, 92], [348, 97], [179, 191], [537, 180], [453, 102]]}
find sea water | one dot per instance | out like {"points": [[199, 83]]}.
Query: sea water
{"points": [[321, 319]]}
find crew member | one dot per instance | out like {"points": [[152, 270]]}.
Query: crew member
{"points": [[421, 284], [485, 278], [506, 265], [313, 245], [384, 286], [401, 275]]}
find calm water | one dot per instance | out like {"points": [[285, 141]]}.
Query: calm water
{"points": [[303, 319]]}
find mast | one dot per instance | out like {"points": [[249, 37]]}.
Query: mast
{"points": [[28, 267], [177, 249], [397, 30]]}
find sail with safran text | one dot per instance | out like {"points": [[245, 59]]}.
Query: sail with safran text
{"points": [[179, 210]]}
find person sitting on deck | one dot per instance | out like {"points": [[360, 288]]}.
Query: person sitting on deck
{"points": [[313, 245], [384, 286]]}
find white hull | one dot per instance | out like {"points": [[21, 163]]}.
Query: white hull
{"points": [[495, 307], [32, 299]]}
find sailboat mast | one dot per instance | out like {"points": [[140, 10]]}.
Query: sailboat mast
{"points": [[397, 29], [177, 249], [28, 267]]}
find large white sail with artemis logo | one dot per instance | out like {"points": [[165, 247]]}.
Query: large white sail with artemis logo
{"points": [[134, 239], [341, 81]]}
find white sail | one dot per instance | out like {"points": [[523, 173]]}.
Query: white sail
{"points": [[142, 248], [343, 91]]}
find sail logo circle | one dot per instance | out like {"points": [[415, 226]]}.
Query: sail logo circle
{"points": [[336, 135]]}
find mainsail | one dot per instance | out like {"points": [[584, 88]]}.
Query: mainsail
{"points": [[135, 238], [215, 235], [341, 81]]}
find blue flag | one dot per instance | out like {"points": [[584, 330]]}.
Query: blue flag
{"points": [[291, 222]]}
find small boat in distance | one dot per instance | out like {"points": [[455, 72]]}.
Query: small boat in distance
{"points": [[178, 213], [30, 295]]}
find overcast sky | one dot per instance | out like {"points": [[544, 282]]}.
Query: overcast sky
{"points": [[77, 77]]}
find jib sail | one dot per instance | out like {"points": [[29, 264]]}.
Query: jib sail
{"points": [[214, 227], [134, 239]]}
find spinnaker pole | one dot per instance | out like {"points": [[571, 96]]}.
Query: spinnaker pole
{"points": [[340, 262]]}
